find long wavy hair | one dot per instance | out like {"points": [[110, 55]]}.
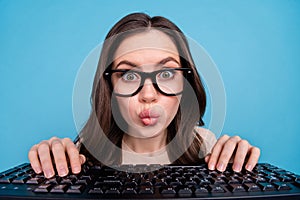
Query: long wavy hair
{"points": [[102, 137]]}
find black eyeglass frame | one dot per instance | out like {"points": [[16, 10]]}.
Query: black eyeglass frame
{"points": [[144, 76]]}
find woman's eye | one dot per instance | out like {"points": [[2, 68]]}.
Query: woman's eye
{"points": [[166, 74], [130, 76]]}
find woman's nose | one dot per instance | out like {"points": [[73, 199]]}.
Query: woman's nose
{"points": [[148, 94]]}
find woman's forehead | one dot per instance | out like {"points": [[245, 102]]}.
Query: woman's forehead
{"points": [[150, 43], [148, 56]]}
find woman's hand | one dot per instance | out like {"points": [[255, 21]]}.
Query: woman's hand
{"points": [[228, 149], [56, 151]]}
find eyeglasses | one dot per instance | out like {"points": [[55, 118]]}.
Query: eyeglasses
{"points": [[168, 81]]}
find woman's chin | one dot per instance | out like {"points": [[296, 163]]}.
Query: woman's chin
{"points": [[147, 130]]}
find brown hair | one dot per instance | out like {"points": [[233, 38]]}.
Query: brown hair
{"points": [[101, 119]]}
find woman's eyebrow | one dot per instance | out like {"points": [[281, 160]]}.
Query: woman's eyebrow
{"points": [[163, 61], [168, 59], [126, 62]]}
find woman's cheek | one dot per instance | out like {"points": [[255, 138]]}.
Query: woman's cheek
{"points": [[170, 107], [127, 106]]}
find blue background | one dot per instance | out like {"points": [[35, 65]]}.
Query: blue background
{"points": [[255, 45]]}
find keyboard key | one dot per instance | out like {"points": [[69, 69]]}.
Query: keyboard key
{"points": [[236, 188], [168, 191], [59, 188], [68, 180], [82, 181], [132, 184], [146, 190], [7, 179], [44, 188], [266, 186], [35, 181], [259, 179], [216, 189], [174, 184], [129, 191], [23, 166], [284, 178], [295, 177], [271, 179], [87, 177], [218, 180], [144, 183], [190, 183], [20, 173], [159, 182], [112, 191], [109, 184], [201, 191], [233, 180], [282, 186], [76, 189], [9, 171], [252, 187], [95, 170], [53, 181], [21, 179], [185, 192], [96, 191], [205, 182], [245, 180]]}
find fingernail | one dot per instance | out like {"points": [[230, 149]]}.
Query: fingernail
{"points": [[63, 172], [38, 170], [76, 169], [236, 168], [211, 166], [48, 173], [221, 167], [248, 167]]}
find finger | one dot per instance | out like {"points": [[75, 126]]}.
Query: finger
{"points": [[34, 159], [240, 155], [216, 152], [59, 155], [73, 155], [82, 158], [207, 157], [253, 158], [45, 159], [227, 152]]}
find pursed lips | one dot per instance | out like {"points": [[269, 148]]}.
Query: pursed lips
{"points": [[149, 117]]}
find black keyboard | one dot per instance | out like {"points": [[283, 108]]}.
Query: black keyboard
{"points": [[165, 182]]}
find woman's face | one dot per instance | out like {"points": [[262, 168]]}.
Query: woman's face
{"points": [[149, 112]]}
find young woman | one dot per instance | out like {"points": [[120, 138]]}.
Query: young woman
{"points": [[147, 107]]}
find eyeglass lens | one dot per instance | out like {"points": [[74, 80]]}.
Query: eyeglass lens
{"points": [[169, 81]]}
